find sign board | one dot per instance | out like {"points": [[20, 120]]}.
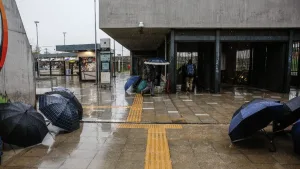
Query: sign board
{"points": [[105, 77], [105, 57], [105, 66]]}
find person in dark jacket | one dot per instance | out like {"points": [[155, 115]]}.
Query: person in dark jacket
{"points": [[190, 74]]}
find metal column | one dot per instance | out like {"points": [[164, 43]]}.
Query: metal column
{"points": [[288, 63], [173, 61], [217, 76]]}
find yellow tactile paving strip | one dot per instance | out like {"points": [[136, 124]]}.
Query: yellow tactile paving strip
{"points": [[135, 113], [106, 107], [157, 152]]}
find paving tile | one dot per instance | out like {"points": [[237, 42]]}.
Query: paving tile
{"points": [[179, 157], [141, 141], [208, 157], [134, 148], [76, 164], [261, 158], [290, 166], [36, 152], [57, 152], [51, 162], [102, 164], [212, 165], [234, 158], [284, 158], [24, 162], [185, 165], [130, 164], [135, 156], [108, 155], [83, 154], [269, 166]]}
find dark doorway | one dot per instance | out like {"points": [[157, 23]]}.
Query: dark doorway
{"points": [[202, 55], [257, 64], [295, 67]]}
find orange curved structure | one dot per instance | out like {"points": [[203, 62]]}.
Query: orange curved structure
{"points": [[4, 40]]}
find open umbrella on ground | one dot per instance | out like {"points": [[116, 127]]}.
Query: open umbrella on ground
{"points": [[60, 111], [21, 124], [296, 136], [132, 81], [72, 98], [156, 61], [253, 117], [290, 116], [252, 102]]}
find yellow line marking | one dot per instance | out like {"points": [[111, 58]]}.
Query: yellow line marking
{"points": [[106, 107], [157, 152], [135, 113], [148, 126]]}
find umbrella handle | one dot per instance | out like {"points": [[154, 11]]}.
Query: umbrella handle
{"points": [[273, 147], [271, 139]]}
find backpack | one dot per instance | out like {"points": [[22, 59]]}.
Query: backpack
{"points": [[190, 70]]}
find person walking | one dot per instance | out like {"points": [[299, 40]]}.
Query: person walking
{"points": [[190, 74]]}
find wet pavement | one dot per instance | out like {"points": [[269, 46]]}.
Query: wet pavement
{"points": [[121, 131]]}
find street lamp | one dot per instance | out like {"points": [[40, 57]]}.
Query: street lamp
{"points": [[122, 58], [114, 59], [65, 50], [37, 47], [97, 64], [65, 38]]}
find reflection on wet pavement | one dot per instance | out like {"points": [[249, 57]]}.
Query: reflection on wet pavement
{"points": [[121, 131]]}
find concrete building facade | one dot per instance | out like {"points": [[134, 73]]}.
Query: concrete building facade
{"points": [[211, 33], [17, 80]]}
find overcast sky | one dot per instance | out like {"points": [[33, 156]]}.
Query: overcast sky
{"points": [[76, 17]]}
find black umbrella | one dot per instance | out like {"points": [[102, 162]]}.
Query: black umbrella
{"points": [[72, 98], [253, 117], [21, 124], [296, 137], [290, 116], [60, 111]]}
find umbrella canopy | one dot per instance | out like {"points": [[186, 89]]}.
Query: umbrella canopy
{"points": [[21, 125], [60, 111], [290, 117], [131, 82], [253, 117], [72, 98], [252, 102], [156, 61]]}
